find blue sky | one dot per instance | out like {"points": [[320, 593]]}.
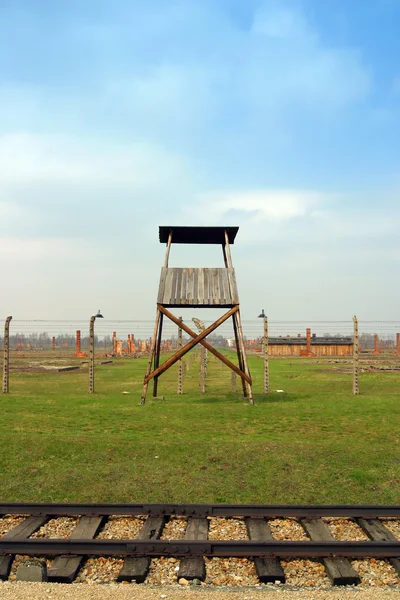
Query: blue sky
{"points": [[282, 117]]}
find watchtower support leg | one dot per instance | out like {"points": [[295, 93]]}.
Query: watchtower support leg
{"points": [[239, 354], [236, 322], [246, 366], [150, 361], [157, 354], [225, 257], [168, 249], [227, 251]]}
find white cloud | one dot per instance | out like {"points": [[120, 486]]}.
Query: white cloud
{"points": [[258, 211], [312, 217], [292, 66], [26, 158], [87, 188], [9, 211], [283, 23], [35, 250], [82, 210]]}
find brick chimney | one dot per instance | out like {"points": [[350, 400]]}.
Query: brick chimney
{"points": [[114, 342], [308, 340]]}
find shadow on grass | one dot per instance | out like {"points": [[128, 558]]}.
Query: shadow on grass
{"points": [[274, 398], [236, 399]]}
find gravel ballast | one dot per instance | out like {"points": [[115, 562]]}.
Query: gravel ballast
{"points": [[8, 522]]}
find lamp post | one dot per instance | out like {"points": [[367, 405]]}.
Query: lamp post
{"points": [[91, 350], [265, 351]]}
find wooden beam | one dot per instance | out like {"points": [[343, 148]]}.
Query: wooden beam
{"points": [[213, 351], [245, 364], [228, 250], [239, 355], [168, 249], [157, 355], [153, 343], [65, 568], [171, 361], [269, 570], [377, 531], [137, 568], [339, 570], [236, 324], [224, 254], [194, 568]]}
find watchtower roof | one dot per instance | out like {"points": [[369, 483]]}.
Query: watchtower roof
{"points": [[197, 235]]}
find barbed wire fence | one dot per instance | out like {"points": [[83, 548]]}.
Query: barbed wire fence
{"points": [[66, 344]]}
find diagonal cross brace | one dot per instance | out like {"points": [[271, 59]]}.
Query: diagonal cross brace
{"points": [[196, 340], [221, 357]]}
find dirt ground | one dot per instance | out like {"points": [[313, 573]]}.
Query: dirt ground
{"points": [[54, 591]]}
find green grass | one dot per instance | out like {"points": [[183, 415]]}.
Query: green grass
{"points": [[315, 442]]}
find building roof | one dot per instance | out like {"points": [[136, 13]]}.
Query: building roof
{"points": [[197, 235]]}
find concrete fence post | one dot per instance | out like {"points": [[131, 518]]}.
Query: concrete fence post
{"points": [[233, 376], [202, 369], [6, 361], [355, 357], [180, 364], [266, 357], [91, 355]]}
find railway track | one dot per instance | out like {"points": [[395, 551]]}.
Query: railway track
{"points": [[65, 555]]}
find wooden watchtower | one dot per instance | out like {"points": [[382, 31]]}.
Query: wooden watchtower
{"points": [[198, 288]]}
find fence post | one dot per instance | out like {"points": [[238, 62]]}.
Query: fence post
{"points": [[355, 357], [266, 357], [233, 381], [180, 366], [6, 362], [202, 369], [91, 355]]}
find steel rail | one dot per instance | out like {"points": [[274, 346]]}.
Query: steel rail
{"points": [[188, 548], [203, 510]]}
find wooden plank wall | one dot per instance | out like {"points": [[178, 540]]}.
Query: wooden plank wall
{"points": [[197, 287], [320, 350]]}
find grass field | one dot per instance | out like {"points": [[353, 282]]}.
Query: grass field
{"points": [[315, 442]]}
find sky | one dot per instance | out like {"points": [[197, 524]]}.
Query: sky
{"points": [[279, 116]]}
